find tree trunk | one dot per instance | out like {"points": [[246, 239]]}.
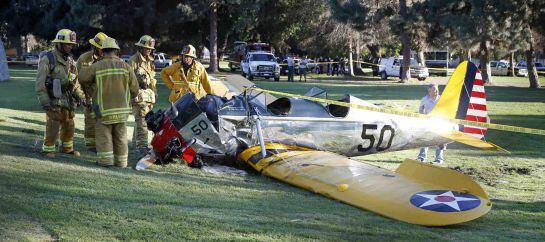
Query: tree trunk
{"points": [[375, 50], [465, 55], [350, 57], [485, 64], [359, 69], [530, 65], [420, 58], [213, 36], [512, 64], [405, 71], [4, 72], [224, 44]]}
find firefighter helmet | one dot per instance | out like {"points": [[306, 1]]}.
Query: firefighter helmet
{"points": [[190, 51], [109, 43], [65, 36], [146, 41], [97, 40]]}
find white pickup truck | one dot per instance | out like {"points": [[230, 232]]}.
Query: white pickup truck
{"points": [[260, 64], [390, 66], [161, 60]]}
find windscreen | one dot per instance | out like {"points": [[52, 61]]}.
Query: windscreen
{"points": [[262, 57]]}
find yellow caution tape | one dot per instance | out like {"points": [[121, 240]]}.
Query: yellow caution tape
{"points": [[368, 63], [407, 113], [15, 62]]}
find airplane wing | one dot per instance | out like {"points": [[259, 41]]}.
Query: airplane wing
{"points": [[416, 192], [230, 85]]}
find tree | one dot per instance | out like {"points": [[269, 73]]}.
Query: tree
{"points": [[367, 15], [466, 24], [529, 17]]}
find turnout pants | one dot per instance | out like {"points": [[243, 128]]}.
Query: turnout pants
{"points": [[111, 143], [89, 132], [59, 122], [140, 134]]}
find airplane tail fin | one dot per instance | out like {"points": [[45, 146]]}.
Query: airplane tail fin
{"points": [[464, 98]]}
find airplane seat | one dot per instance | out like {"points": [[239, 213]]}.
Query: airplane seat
{"points": [[339, 111], [280, 107]]}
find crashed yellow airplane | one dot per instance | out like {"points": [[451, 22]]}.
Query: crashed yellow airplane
{"points": [[305, 140]]}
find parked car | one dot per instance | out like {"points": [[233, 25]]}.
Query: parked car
{"points": [[284, 68], [161, 60], [125, 58], [522, 70], [32, 60], [260, 64], [540, 68], [391, 66], [375, 68], [499, 68]]}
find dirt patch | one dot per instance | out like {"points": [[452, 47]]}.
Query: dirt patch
{"points": [[492, 175], [17, 226]]}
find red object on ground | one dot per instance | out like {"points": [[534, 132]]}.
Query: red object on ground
{"points": [[161, 138]]}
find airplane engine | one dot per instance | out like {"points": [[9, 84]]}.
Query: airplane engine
{"points": [[183, 131]]}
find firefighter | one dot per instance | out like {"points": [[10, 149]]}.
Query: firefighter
{"points": [[188, 75], [59, 93], [142, 65], [115, 85], [84, 61]]}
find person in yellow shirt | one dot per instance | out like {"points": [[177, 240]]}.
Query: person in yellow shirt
{"points": [[189, 75]]}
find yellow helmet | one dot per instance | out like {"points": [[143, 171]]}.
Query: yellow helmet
{"points": [[109, 43], [65, 36], [190, 51], [146, 41], [97, 40]]}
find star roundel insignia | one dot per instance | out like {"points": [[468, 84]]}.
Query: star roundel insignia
{"points": [[445, 201]]}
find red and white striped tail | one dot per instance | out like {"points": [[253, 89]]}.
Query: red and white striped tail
{"points": [[476, 110]]}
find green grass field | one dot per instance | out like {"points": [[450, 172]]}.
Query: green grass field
{"points": [[72, 199]]}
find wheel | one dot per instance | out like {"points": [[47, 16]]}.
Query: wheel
{"points": [[277, 79], [421, 78], [243, 74], [267, 77], [233, 69], [197, 163], [383, 75], [250, 76]]}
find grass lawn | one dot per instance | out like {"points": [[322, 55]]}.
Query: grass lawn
{"points": [[72, 199]]}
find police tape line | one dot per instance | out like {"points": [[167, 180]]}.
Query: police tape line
{"points": [[407, 113], [368, 63], [315, 63], [15, 62]]}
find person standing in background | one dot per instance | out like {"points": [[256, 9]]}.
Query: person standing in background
{"points": [[426, 105]]}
